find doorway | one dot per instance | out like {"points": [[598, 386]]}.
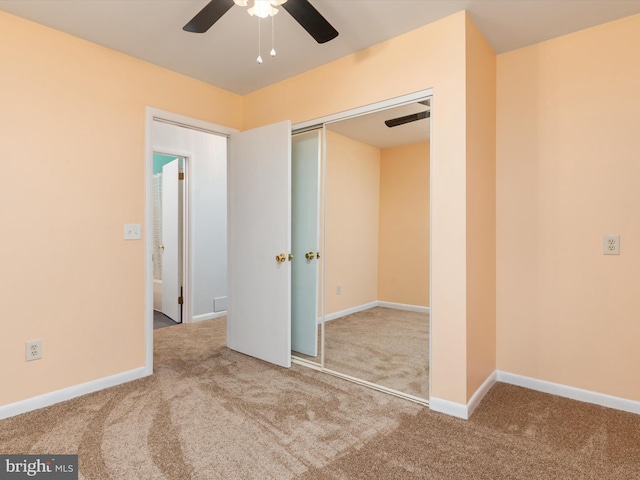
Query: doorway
{"points": [[201, 148], [168, 239]]}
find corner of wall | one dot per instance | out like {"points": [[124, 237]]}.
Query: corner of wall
{"points": [[481, 206]]}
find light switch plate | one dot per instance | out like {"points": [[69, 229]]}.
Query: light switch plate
{"points": [[132, 231]]}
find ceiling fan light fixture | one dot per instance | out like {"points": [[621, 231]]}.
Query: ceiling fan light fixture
{"points": [[261, 8]]}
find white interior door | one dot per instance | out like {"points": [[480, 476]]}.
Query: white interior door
{"points": [[305, 158], [259, 229], [170, 240]]}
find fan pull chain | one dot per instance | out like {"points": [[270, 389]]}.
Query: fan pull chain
{"points": [[273, 36], [259, 59]]}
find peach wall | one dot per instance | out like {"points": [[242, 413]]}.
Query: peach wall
{"points": [[481, 209], [567, 174], [434, 55], [73, 121], [352, 212], [72, 130], [403, 253]]}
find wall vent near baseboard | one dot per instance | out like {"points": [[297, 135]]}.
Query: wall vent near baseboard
{"points": [[220, 304]]}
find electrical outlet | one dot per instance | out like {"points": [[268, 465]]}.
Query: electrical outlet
{"points": [[34, 350], [132, 231], [338, 289], [611, 245]]}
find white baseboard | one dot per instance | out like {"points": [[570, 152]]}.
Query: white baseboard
{"points": [[465, 411], [481, 392], [207, 316], [450, 408], [404, 306], [367, 306], [587, 396], [349, 311], [458, 409], [68, 393]]}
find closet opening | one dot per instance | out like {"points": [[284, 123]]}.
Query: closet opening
{"points": [[372, 323]]}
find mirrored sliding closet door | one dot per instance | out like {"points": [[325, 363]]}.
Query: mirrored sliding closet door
{"points": [[376, 248]]}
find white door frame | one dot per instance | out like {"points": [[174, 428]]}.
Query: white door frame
{"points": [[154, 114]]}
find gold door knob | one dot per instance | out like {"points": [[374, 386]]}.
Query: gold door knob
{"points": [[281, 258], [290, 256], [161, 246], [310, 256], [318, 255]]}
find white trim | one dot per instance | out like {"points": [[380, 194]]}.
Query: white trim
{"points": [[480, 393], [148, 229], [208, 316], [566, 391], [458, 409], [189, 122], [68, 393], [450, 408], [367, 306], [376, 386], [306, 363], [404, 306], [373, 107], [349, 311], [432, 118]]}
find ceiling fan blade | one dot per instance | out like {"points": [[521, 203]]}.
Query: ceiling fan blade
{"points": [[311, 20], [209, 15], [394, 122]]}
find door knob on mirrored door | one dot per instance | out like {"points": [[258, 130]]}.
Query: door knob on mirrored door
{"points": [[281, 258], [310, 256]]}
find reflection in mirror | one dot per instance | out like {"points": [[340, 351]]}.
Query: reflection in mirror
{"points": [[305, 237], [377, 248]]}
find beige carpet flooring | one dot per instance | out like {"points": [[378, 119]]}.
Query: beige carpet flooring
{"points": [[210, 413], [385, 346]]}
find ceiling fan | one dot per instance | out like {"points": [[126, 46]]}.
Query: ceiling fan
{"points": [[301, 10], [396, 122]]}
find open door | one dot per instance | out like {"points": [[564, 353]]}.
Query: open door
{"points": [[259, 243], [170, 240], [305, 158]]}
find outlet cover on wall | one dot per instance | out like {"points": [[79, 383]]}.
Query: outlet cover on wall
{"points": [[132, 231], [33, 350], [611, 245]]}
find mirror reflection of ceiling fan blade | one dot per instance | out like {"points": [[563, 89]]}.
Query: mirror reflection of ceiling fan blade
{"points": [[301, 10], [395, 122]]}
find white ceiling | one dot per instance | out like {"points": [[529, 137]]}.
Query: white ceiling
{"points": [[225, 56], [371, 129]]}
